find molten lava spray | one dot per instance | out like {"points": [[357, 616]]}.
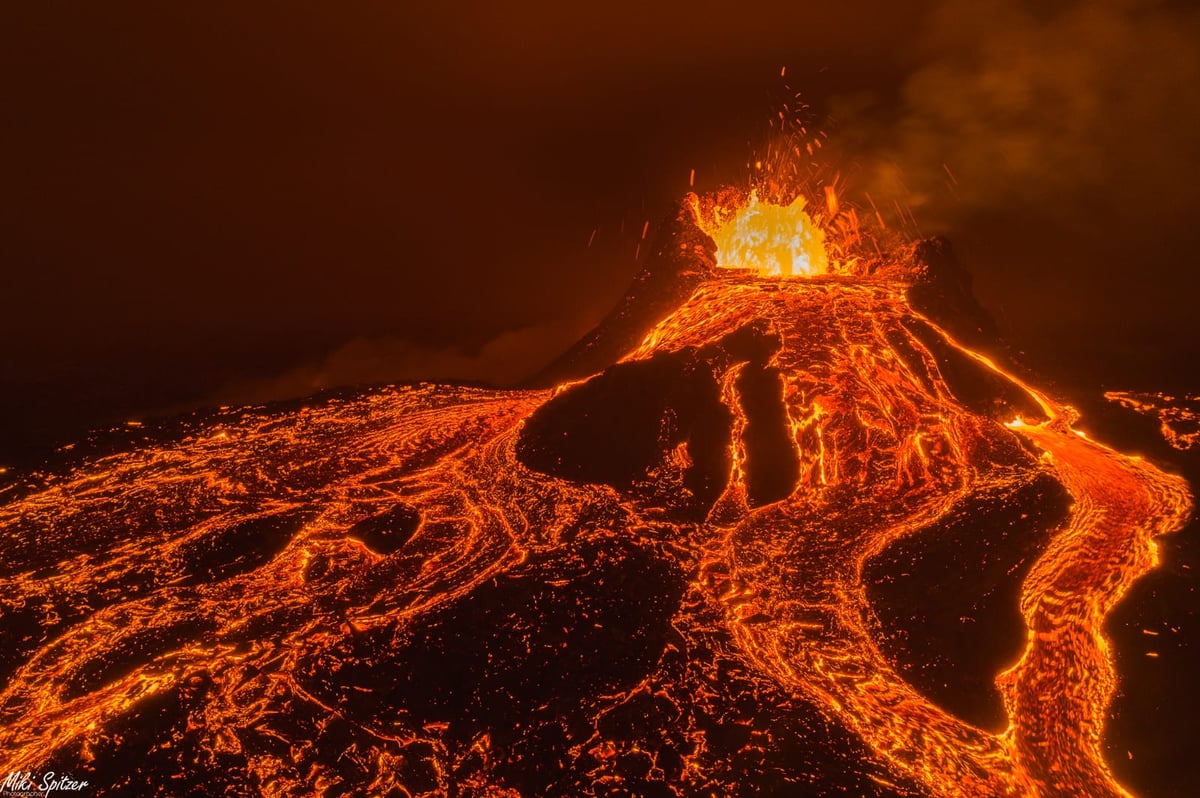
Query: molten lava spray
{"points": [[774, 240]]}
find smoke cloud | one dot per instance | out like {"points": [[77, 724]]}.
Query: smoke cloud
{"points": [[1082, 112], [503, 361]]}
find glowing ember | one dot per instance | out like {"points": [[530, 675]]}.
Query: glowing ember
{"points": [[774, 240]]}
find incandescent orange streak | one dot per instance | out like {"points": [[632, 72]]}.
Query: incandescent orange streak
{"points": [[885, 448]]}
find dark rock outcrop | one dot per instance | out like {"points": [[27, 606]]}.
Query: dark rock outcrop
{"points": [[681, 258]]}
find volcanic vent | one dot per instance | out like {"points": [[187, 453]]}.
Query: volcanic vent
{"points": [[652, 577]]}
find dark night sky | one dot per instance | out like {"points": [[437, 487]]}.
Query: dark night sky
{"points": [[228, 201]]}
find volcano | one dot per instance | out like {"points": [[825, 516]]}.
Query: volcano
{"points": [[679, 562]]}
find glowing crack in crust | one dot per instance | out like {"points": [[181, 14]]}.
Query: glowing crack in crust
{"points": [[231, 577], [1178, 416]]}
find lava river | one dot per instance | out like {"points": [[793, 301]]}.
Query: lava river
{"points": [[648, 582]]}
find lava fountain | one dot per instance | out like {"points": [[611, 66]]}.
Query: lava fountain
{"points": [[774, 240], [647, 577]]}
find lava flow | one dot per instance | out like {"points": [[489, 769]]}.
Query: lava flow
{"points": [[651, 581], [1178, 417]]}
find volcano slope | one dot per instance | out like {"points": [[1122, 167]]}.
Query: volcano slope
{"points": [[675, 577]]}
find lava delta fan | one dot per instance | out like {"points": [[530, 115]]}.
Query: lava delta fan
{"points": [[650, 574]]}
